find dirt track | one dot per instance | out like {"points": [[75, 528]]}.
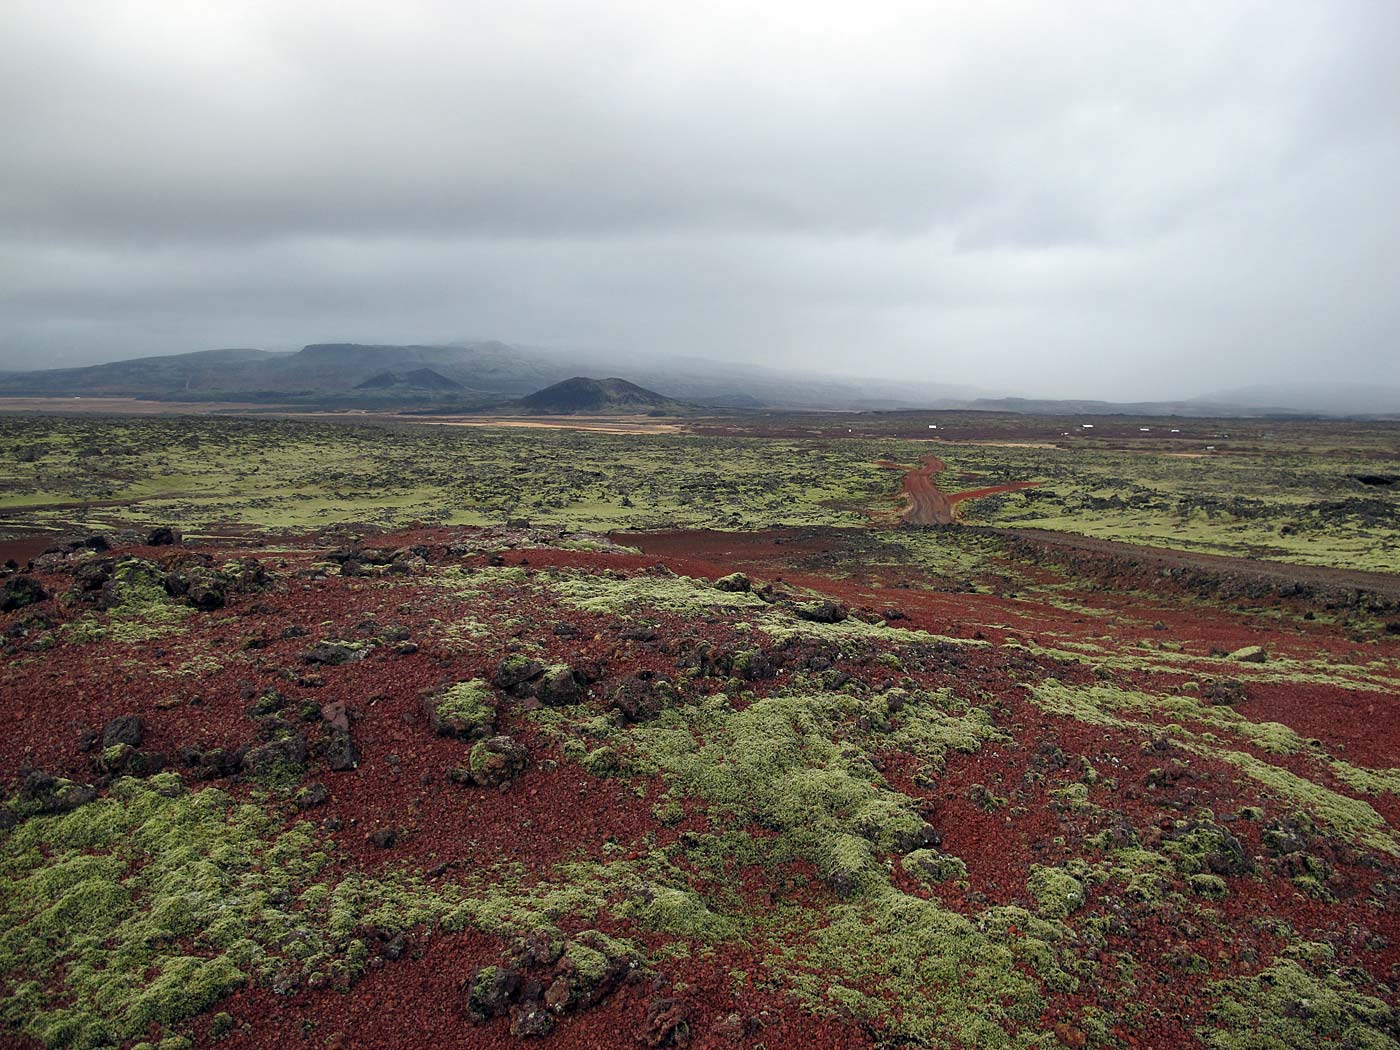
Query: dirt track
{"points": [[929, 505]]}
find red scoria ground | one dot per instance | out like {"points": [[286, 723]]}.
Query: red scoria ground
{"points": [[193, 687]]}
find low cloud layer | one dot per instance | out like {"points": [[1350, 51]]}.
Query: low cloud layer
{"points": [[1090, 199]]}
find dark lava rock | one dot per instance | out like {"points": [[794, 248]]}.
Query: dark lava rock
{"points": [[490, 992], [332, 653], [215, 762], [311, 796], [125, 759], [19, 591], [124, 729], [667, 1024], [44, 794], [559, 685], [498, 760], [821, 612], [638, 634], [565, 630], [1224, 692], [1215, 849], [339, 750], [515, 671], [921, 838], [464, 721], [530, 1019], [90, 576], [382, 838], [276, 756], [641, 698], [246, 575], [164, 536], [201, 587], [336, 716]]}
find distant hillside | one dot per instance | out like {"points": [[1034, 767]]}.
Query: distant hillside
{"points": [[471, 375], [333, 375], [418, 379], [322, 373], [582, 394]]}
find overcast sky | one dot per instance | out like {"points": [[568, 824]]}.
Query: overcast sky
{"points": [[1091, 199]]}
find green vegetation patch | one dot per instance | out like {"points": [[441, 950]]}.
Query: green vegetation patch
{"points": [[142, 609], [146, 907], [1287, 1008], [682, 595]]}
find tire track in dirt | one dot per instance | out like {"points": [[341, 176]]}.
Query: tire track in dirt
{"points": [[929, 505]]}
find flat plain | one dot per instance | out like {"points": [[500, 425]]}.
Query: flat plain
{"points": [[364, 732]]}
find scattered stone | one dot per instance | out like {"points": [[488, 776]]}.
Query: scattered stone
{"points": [[640, 698], [275, 757], [516, 671], [490, 992], [43, 794], [19, 591], [667, 1024], [497, 760], [1250, 654], [825, 611], [339, 750], [333, 654], [336, 716], [1224, 692], [392, 946], [559, 685], [382, 838], [311, 796], [530, 1019], [465, 710], [164, 536], [124, 729]]}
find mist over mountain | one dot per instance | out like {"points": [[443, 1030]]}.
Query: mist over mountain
{"points": [[480, 373], [490, 373]]}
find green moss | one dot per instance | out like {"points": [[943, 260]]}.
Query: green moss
{"points": [[594, 592], [677, 911], [146, 907], [1352, 819], [141, 610], [1287, 1008], [1210, 886], [466, 710], [928, 866], [926, 975], [1057, 893]]}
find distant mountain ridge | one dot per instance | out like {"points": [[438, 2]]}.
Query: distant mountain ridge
{"points": [[483, 373], [489, 372]]}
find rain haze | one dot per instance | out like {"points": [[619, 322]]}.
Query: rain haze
{"points": [[1069, 200]]}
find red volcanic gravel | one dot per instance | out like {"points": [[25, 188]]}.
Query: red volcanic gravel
{"points": [[996, 809]]}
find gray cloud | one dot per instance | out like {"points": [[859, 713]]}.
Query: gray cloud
{"points": [[1092, 199]]}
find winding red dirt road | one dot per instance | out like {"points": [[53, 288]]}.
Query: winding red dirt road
{"points": [[929, 505]]}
